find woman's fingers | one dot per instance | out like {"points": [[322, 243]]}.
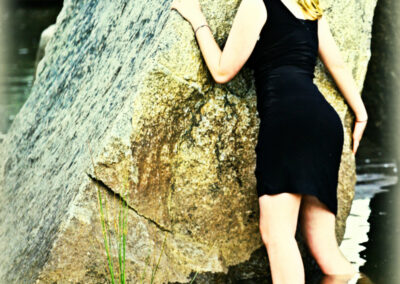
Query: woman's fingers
{"points": [[187, 8], [356, 143], [358, 131]]}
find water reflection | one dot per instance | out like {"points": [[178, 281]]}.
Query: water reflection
{"points": [[368, 243], [358, 278], [380, 253]]}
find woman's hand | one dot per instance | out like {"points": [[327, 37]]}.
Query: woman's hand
{"points": [[189, 9], [358, 131]]}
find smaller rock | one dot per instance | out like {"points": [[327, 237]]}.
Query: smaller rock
{"points": [[45, 37]]}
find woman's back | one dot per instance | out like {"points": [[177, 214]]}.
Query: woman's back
{"points": [[301, 136], [285, 40]]}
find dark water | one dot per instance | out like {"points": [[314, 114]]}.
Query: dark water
{"points": [[372, 228], [380, 255]]}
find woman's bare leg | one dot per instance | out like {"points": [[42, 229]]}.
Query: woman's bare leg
{"points": [[317, 224], [278, 222]]}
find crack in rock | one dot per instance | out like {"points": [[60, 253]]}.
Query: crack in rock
{"points": [[111, 191]]}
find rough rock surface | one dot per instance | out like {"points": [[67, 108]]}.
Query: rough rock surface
{"points": [[129, 80]]}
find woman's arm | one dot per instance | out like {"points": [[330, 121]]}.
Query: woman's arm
{"points": [[330, 55], [246, 27]]}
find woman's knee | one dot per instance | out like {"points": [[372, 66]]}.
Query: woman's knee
{"points": [[276, 235]]}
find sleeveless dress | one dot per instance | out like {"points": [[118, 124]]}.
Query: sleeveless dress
{"points": [[301, 136]]}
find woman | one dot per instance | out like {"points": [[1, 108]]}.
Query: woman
{"points": [[300, 136]]}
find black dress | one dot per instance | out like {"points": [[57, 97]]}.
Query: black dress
{"points": [[300, 137]]}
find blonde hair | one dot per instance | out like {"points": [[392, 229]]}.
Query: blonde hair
{"points": [[311, 7]]}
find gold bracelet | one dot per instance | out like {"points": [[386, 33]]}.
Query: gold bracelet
{"points": [[205, 25]]}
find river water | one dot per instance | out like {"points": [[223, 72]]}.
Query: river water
{"points": [[372, 227]]}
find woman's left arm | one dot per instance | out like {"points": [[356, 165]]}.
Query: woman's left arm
{"points": [[246, 27], [331, 56]]}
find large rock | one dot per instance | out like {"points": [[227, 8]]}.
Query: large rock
{"points": [[129, 80]]}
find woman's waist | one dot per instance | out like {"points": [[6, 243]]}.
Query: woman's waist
{"points": [[286, 79], [272, 103], [269, 71]]}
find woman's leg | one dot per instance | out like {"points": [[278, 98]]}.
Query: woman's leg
{"points": [[317, 224], [278, 222]]}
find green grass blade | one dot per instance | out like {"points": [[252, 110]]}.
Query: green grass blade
{"points": [[103, 222]]}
